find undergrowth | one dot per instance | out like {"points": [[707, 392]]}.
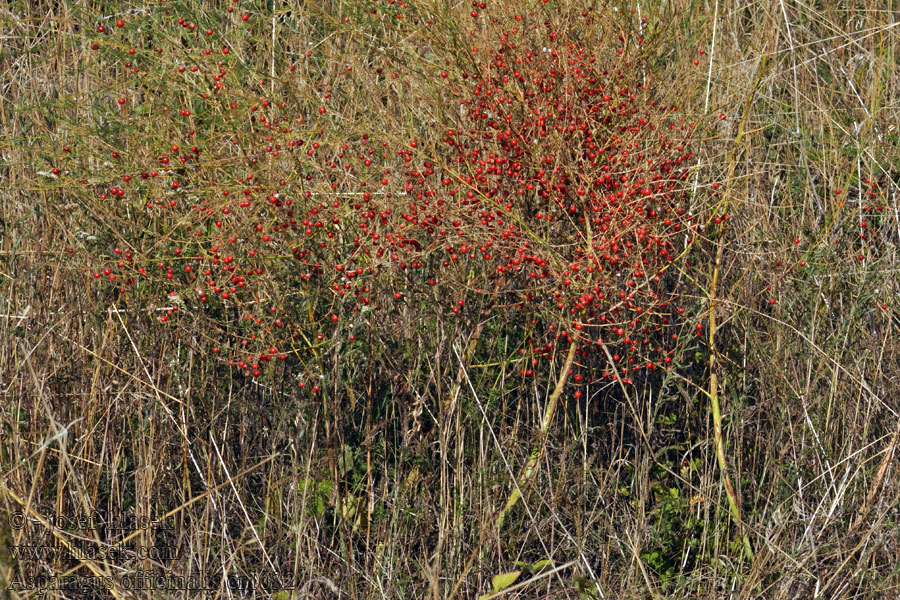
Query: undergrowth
{"points": [[386, 299]]}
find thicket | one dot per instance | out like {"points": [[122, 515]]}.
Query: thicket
{"points": [[389, 299]]}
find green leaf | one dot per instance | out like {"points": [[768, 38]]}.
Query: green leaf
{"points": [[504, 580], [540, 565], [585, 588]]}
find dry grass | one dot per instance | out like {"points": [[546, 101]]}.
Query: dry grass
{"points": [[762, 466]]}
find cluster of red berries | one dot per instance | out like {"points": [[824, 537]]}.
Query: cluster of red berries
{"points": [[556, 189], [559, 191]]}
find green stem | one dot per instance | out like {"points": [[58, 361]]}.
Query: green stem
{"points": [[717, 411], [538, 451]]}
